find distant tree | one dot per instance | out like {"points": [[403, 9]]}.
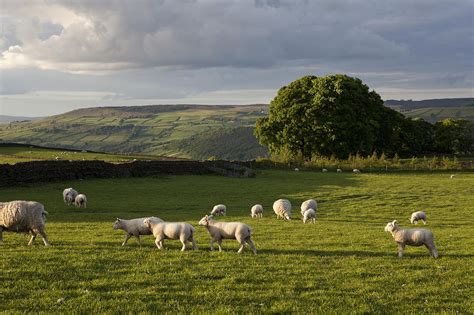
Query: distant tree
{"points": [[454, 136], [333, 115]]}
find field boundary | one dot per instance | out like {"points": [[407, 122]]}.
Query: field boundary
{"points": [[50, 171]]}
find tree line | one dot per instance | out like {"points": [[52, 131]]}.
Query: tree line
{"points": [[337, 115]]}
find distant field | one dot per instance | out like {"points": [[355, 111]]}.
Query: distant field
{"points": [[15, 154], [178, 131], [439, 113], [345, 263]]}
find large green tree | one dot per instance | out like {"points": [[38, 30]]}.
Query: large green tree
{"points": [[332, 115]]}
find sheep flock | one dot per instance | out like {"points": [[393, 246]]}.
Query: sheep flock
{"points": [[30, 217]]}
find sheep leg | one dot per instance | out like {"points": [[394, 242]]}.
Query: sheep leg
{"points": [[432, 249], [43, 235], [252, 246], [183, 240], [212, 243], [158, 243], [127, 236], [219, 243], [242, 245], [191, 239], [139, 241], [33, 237], [401, 248], [424, 222], [1, 235]]}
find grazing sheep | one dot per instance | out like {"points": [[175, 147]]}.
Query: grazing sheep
{"points": [[309, 214], [413, 237], [80, 201], [23, 216], [282, 208], [219, 210], [308, 204], [69, 195], [339, 170], [324, 170], [416, 216], [171, 230], [134, 227], [256, 211], [297, 169], [228, 230], [452, 176], [356, 171]]}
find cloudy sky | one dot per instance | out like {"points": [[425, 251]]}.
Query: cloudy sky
{"points": [[61, 55]]}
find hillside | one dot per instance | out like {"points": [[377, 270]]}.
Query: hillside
{"points": [[441, 102], [4, 119], [189, 131]]}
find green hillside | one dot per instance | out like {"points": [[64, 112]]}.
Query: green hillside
{"points": [[189, 131], [439, 113]]}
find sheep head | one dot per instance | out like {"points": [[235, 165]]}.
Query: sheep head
{"points": [[147, 222], [391, 226], [117, 224], [205, 220]]}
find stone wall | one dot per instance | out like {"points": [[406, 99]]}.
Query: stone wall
{"points": [[49, 171]]}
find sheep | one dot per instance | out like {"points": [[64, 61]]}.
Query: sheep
{"points": [[256, 211], [23, 216], [324, 170], [297, 169], [309, 214], [416, 216], [339, 170], [80, 201], [228, 230], [356, 171], [413, 237], [452, 176], [134, 227], [171, 230], [308, 204], [69, 195], [282, 208], [219, 210]]}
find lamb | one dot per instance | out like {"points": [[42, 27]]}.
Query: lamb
{"points": [[339, 170], [282, 208], [416, 216], [228, 230], [356, 171], [219, 210], [134, 227], [171, 230], [309, 214], [69, 195], [308, 204], [23, 216], [256, 211], [324, 170], [413, 237], [80, 201]]}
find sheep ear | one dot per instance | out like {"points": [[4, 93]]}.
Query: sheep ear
{"points": [[118, 219]]}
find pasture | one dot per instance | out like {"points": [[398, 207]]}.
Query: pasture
{"points": [[345, 263]]}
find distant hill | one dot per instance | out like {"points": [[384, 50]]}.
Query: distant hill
{"points": [[441, 102], [186, 131], [4, 119]]}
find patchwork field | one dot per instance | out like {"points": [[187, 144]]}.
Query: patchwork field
{"points": [[345, 263]]}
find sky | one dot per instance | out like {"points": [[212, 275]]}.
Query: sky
{"points": [[60, 55]]}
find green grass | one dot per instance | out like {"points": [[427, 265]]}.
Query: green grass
{"points": [[436, 113], [345, 263], [15, 154]]}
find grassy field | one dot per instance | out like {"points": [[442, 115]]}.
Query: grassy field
{"points": [[345, 263], [15, 154], [439, 113]]}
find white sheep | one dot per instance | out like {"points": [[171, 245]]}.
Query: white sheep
{"points": [[134, 227], [256, 211], [171, 230], [308, 204], [228, 230], [69, 195], [413, 237], [339, 170], [23, 217], [219, 210], [297, 169], [452, 176], [309, 215], [356, 171], [80, 201], [282, 208], [416, 216], [324, 170]]}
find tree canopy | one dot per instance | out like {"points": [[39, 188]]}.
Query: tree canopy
{"points": [[338, 115]]}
